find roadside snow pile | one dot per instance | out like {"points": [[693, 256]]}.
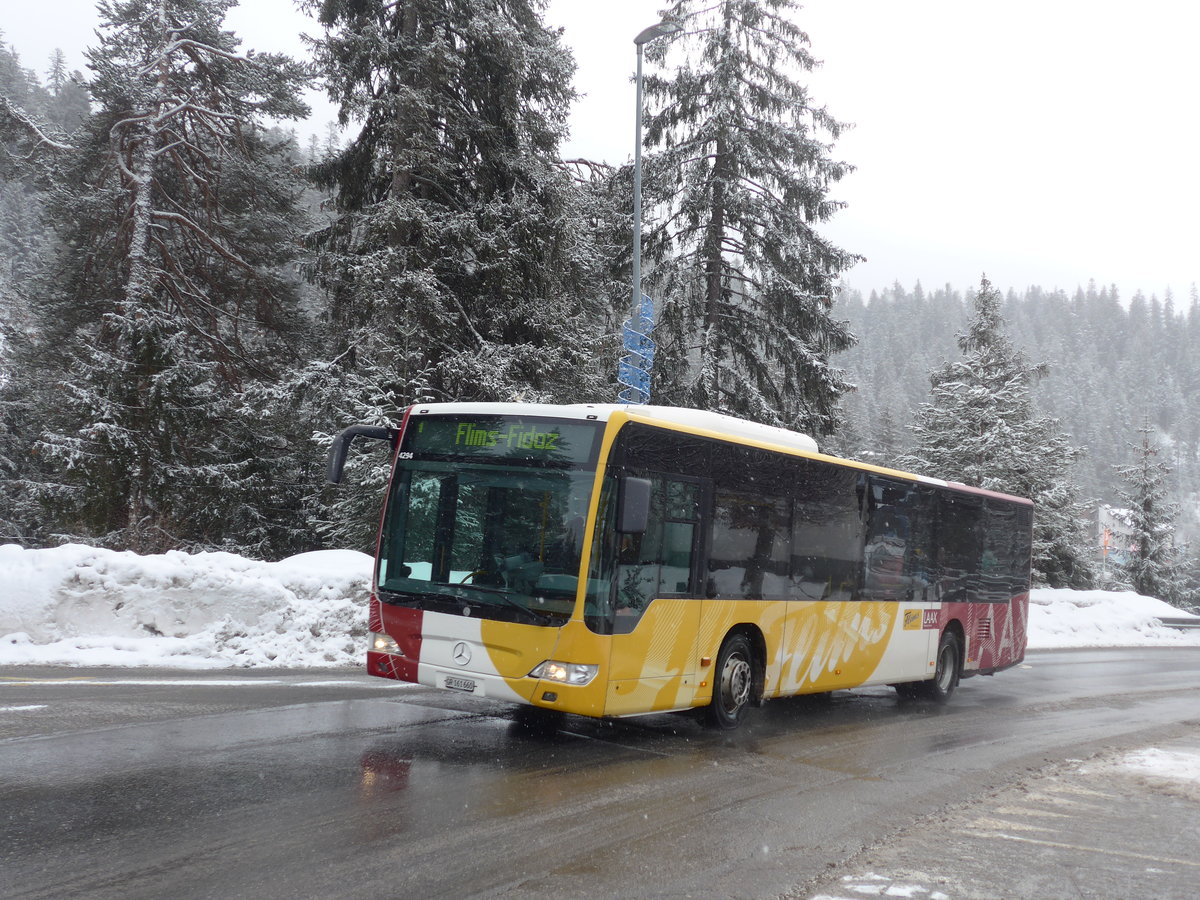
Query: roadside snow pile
{"points": [[1174, 772], [80, 605], [1063, 618]]}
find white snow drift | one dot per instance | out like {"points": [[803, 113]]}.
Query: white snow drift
{"points": [[84, 606]]}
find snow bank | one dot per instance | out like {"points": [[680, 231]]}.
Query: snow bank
{"points": [[1174, 772], [85, 606], [77, 605], [1062, 618]]}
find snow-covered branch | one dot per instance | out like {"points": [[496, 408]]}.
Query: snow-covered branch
{"points": [[13, 113], [206, 238], [188, 43]]}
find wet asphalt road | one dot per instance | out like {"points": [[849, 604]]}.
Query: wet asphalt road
{"points": [[147, 783]]}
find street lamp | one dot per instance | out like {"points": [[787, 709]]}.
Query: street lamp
{"points": [[646, 36]]}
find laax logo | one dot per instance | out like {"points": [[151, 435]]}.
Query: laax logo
{"points": [[461, 653]]}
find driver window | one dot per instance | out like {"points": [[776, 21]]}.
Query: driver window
{"points": [[659, 561]]}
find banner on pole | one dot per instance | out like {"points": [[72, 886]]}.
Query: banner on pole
{"points": [[633, 371]]}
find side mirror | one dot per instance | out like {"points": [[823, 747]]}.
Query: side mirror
{"points": [[336, 460], [633, 505]]}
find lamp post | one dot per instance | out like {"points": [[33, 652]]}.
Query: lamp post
{"points": [[646, 36]]}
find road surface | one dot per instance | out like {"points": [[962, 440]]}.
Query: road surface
{"points": [[152, 783]]}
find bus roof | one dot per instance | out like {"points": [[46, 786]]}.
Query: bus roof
{"points": [[601, 412], [696, 420]]}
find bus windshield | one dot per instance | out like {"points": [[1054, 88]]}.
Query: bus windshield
{"points": [[486, 517]]}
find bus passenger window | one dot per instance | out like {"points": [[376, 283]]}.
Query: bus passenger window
{"points": [[1005, 559], [898, 563], [826, 532], [960, 550], [751, 543], [637, 572], [887, 542]]}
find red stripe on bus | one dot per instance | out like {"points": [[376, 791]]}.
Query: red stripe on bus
{"points": [[404, 626]]}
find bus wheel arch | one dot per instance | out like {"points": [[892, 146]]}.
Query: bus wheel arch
{"points": [[948, 668], [739, 677], [948, 664], [955, 627]]}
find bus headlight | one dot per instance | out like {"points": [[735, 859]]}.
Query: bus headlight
{"points": [[564, 673], [384, 643]]}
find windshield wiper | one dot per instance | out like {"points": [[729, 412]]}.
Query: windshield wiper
{"points": [[393, 597], [459, 593], [504, 595]]}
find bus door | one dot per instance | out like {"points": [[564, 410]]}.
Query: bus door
{"points": [[654, 611], [746, 573], [899, 570]]}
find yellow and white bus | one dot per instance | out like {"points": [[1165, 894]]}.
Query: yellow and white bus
{"points": [[613, 560]]}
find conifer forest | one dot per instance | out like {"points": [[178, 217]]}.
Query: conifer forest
{"points": [[193, 300]]}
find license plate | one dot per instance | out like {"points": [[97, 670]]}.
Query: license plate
{"points": [[460, 684]]}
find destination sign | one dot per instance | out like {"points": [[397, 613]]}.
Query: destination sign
{"points": [[501, 437], [514, 436]]}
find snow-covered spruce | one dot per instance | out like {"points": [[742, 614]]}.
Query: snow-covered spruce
{"points": [[464, 260], [166, 300], [980, 428], [738, 181]]}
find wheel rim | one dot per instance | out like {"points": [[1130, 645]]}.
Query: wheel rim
{"points": [[735, 683], [945, 668]]}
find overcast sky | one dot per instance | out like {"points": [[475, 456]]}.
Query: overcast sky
{"points": [[1043, 142]]}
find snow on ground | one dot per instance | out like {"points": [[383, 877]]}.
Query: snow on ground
{"points": [[1175, 772], [1061, 618], [1116, 783], [874, 885], [76, 605]]}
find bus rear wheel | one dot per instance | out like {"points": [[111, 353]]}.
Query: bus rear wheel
{"points": [[734, 682], [945, 676]]}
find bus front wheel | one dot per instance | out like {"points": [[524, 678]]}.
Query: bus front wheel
{"points": [[734, 682]]}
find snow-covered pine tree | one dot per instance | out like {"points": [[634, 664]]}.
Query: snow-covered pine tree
{"points": [[24, 106], [461, 264], [980, 428], [168, 298], [464, 262], [19, 85], [56, 72], [69, 105], [1154, 567], [735, 193]]}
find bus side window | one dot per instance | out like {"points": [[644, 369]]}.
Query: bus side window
{"points": [[960, 548], [900, 541], [826, 532], [750, 548], [1005, 559], [887, 543], [682, 512]]}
